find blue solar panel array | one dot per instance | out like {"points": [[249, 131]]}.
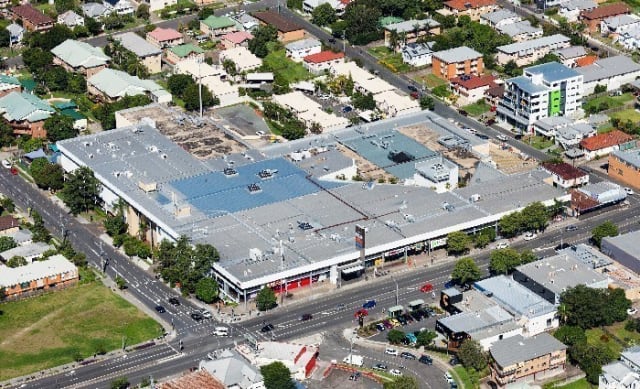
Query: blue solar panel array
{"points": [[214, 193]]}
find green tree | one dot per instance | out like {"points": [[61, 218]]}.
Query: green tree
{"points": [[120, 383], [115, 225], [37, 59], [503, 261], [570, 335], [7, 243], [362, 101], [511, 69], [180, 263], [5, 36], [402, 382], [142, 12], [603, 230], [16, 261], [277, 376], [230, 67], [481, 241], [511, 224], [599, 89], [471, 355], [294, 4], [52, 38], [587, 307], [323, 15], [395, 336], [261, 37], [465, 271], [76, 83], [120, 282], [47, 175], [426, 102], [191, 98], [105, 113], [207, 290], [64, 5], [527, 256], [39, 231], [424, 338], [535, 216], [458, 243], [266, 299], [591, 358], [60, 127], [93, 26], [178, 83], [55, 78], [361, 21], [7, 204], [81, 191]]}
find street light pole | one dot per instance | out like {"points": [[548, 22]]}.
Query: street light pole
{"points": [[200, 84], [397, 293]]}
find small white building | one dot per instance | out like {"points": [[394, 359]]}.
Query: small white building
{"points": [[394, 104], [571, 9], [70, 19], [613, 72], [499, 18], [624, 373], [521, 31], [16, 33], [322, 61], [417, 54], [244, 59], [437, 173], [121, 7], [299, 49], [616, 25]]}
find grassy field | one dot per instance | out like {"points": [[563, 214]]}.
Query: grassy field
{"points": [[464, 377], [606, 102], [278, 62], [71, 324], [627, 114], [624, 338], [477, 109], [539, 142], [579, 384], [389, 59]]}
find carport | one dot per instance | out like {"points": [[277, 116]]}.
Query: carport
{"points": [[395, 311], [416, 304]]}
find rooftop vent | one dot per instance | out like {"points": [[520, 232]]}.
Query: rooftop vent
{"points": [[304, 226], [148, 186], [448, 207], [229, 172], [267, 173], [254, 188], [255, 254]]}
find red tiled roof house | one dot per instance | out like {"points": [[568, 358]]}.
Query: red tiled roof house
{"points": [[32, 18], [165, 37], [470, 88], [593, 18], [565, 175], [472, 8], [603, 144], [319, 62], [9, 225], [235, 39]]}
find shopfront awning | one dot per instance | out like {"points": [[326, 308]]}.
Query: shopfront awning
{"points": [[416, 303], [352, 269], [397, 308]]}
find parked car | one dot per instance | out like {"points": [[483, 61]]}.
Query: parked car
{"points": [[267, 328], [411, 338], [332, 40], [427, 360], [160, 309], [395, 372], [453, 361], [626, 189], [306, 316], [347, 109], [571, 228], [206, 314], [379, 366], [463, 112], [632, 311], [502, 245], [174, 301], [6, 164], [402, 320], [387, 324], [482, 136], [407, 317], [426, 288], [412, 88], [449, 284], [391, 351], [416, 316], [395, 323], [448, 377], [530, 236], [407, 355], [380, 327], [562, 246], [415, 95], [502, 138]]}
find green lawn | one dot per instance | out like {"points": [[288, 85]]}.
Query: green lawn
{"points": [[538, 142], [389, 59], [282, 66], [59, 327], [430, 80], [579, 384], [477, 109], [606, 102], [627, 114], [463, 376]]}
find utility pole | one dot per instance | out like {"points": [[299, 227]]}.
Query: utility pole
{"points": [[200, 84], [397, 292], [344, 42]]}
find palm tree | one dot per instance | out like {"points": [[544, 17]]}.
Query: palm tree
{"points": [[393, 40], [315, 128]]}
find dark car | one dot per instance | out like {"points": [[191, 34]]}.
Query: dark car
{"points": [[306, 316], [490, 122], [427, 360], [571, 228], [453, 361], [369, 304], [407, 317], [482, 136], [267, 328], [562, 246], [332, 40], [197, 316], [416, 316], [174, 301], [463, 112], [379, 366], [160, 309], [402, 320], [347, 109], [380, 327], [412, 88], [492, 385], [407, 355], [387, 324], [449, 284]]}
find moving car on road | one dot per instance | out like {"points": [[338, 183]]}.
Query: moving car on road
{"points": [[267, 328], [174, 301], [306, 316], [379, 366], [160, 309], [391, 351], [426, 288], [369, 304], [395, 372], [502, 138], [571, 228], [407, 355], [427, 360], [197, 316], [530, 236]]}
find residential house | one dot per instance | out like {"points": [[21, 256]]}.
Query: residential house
{"points": [[165, 37], [214, 26], [110, 85], [179, 53], [302, 48], [593, 18], [468, 89], [322, 61], [455, 62], [200, 379], [9, 84], [287, 29], [32, 19], [569, 55], [211, 77], [551, 276], [158, 5], [26, 113], [121, 7], [16, 33], [614, 72], [498, 18], [409, 31], [572, 9], [299, 359], [94, 10], [246, 22], [519, 359], [393, 104], [54, 273], [235, 39], [493, 95], [603, 144], [363, 81], [80, 57], [624, 166], [629, 39], [244, 59], [623, 373], [571, 136], [528, 52], [149, 55], [417, 54], [615, 26], [233, 370], [520, 31], [310, 112], [309, 5], [472, 8], [70, 19], [21, 237], [30, 252], [9, 225], [550, 89]]}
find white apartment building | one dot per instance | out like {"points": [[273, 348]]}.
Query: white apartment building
{"points": [[613, 72], [550, 89], [622, 374], [571, 9], [527, 52], [417, 54]]}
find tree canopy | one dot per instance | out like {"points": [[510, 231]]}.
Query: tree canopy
{"points": [[479, 37], [603, 230], [81, 191], [261, 36], [181, 263], [471, 355], [465, 271], [361, 21], [191, 97], [503, 261], [587, 307], [7, 243], [60, 127], [458, 243], [16, 261], [38, 229], [207, 290], [395, 336], [323, 15], [533, 217], [47, 175], [266, 299], [277, 376]]}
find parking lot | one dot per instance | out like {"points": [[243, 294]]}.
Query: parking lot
{"points": [[413, 326], [341, 379]]}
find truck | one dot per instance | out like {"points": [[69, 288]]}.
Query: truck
{"points": [[355, 360]]}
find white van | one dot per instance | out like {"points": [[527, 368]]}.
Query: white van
{"points": [[221, 331]]}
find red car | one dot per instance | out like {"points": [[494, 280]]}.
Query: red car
{"points": [[361, 312], [426, 288], [415, 95]]}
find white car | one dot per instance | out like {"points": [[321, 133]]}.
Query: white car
{"points": [[530, 236], [632, 311], [502, 245], [395, 372], [448, 377], [206, 314], [502, 138], [6, 164], [626, 189], [260, 133], [391, 351]]}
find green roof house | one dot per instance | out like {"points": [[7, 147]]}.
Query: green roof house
{"points": [[110, 85], [79, 57], [26, 113], [178, 53], [217, 25], [387, 20], [9, 84]]}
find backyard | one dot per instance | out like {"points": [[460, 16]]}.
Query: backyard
{"points": [[477, 109], [627, 114], [68, 325], [538, 142], [602, 103], [430, 80], [277, 62], [389, 59], [579, 384]]}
